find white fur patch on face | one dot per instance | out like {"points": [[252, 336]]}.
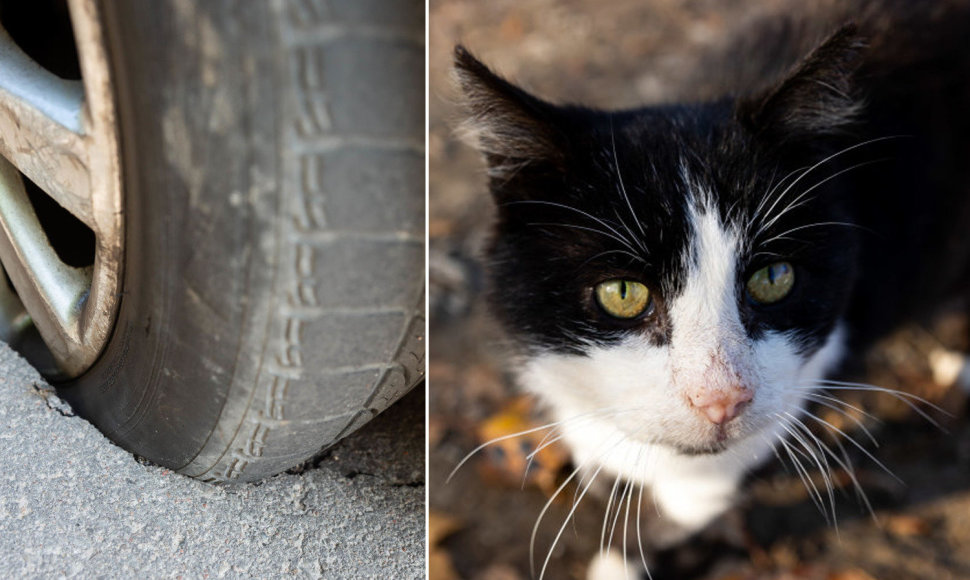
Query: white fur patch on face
{"points": [[710, 352], [709, 294]]}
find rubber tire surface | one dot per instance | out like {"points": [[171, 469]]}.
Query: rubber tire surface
{"points": [[273, 296]]}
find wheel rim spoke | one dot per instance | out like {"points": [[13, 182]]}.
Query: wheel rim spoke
{"points": [[41, 124], [62, 136], [53, 292]]}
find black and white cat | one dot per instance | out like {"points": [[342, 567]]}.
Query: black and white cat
{"points": [[682, 278]]}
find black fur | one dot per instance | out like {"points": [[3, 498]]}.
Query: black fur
{"points": [[569, 181]]}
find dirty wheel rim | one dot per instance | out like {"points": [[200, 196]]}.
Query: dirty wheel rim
{"points": [[60, 137]]}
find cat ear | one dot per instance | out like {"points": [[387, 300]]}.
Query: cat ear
{"points": [[510, 127], [817, 98]]}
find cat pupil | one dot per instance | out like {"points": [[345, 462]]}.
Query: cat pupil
{"points": [[623, 290]]}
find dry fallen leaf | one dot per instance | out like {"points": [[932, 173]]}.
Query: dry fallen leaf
{"points": [[517, 456], [440, 527], [907, 525], [851, 574], [440, 566]]}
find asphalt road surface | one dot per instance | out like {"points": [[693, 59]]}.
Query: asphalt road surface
{"points": [[73, 504]]}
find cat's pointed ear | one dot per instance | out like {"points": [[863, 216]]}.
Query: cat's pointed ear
{"points": [[510, 127], [817, 98]]}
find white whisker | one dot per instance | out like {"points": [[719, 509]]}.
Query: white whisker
{"points": [[860, 493], [906, 398], [802, 198], [856, 444], [767, 196], [606, 516], [819, 397], [569, 516], [626, 522], [545, 508], [821, 401], [826, 160], [631, 255], [846, 463], [616, 515], [553, 425], [619, 175], [643, 557], [784, 235], [793, 426], [810, 487], [827, 471], [618, 236]]}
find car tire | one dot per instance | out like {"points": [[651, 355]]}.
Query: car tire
{"points": [[272, 298]]}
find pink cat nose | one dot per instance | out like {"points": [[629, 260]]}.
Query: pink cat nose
{"points": [[721, 406]]}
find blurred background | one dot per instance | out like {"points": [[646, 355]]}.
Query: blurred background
{"points": [[616, 54]]}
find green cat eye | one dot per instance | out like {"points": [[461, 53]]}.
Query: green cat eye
{"points": [[623, 298], [771, 283]]}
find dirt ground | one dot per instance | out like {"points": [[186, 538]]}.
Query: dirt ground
{"points": [[615, 54]]}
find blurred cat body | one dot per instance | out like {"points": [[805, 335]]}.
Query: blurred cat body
{"points": [[781, 219]]}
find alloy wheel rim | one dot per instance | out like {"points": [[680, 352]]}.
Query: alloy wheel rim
{"points": [[60, 137]]}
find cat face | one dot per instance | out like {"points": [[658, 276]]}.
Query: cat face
{"points": [[679, 270]]}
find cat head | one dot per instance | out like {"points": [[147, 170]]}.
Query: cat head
{"points": [[681, 269]]}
